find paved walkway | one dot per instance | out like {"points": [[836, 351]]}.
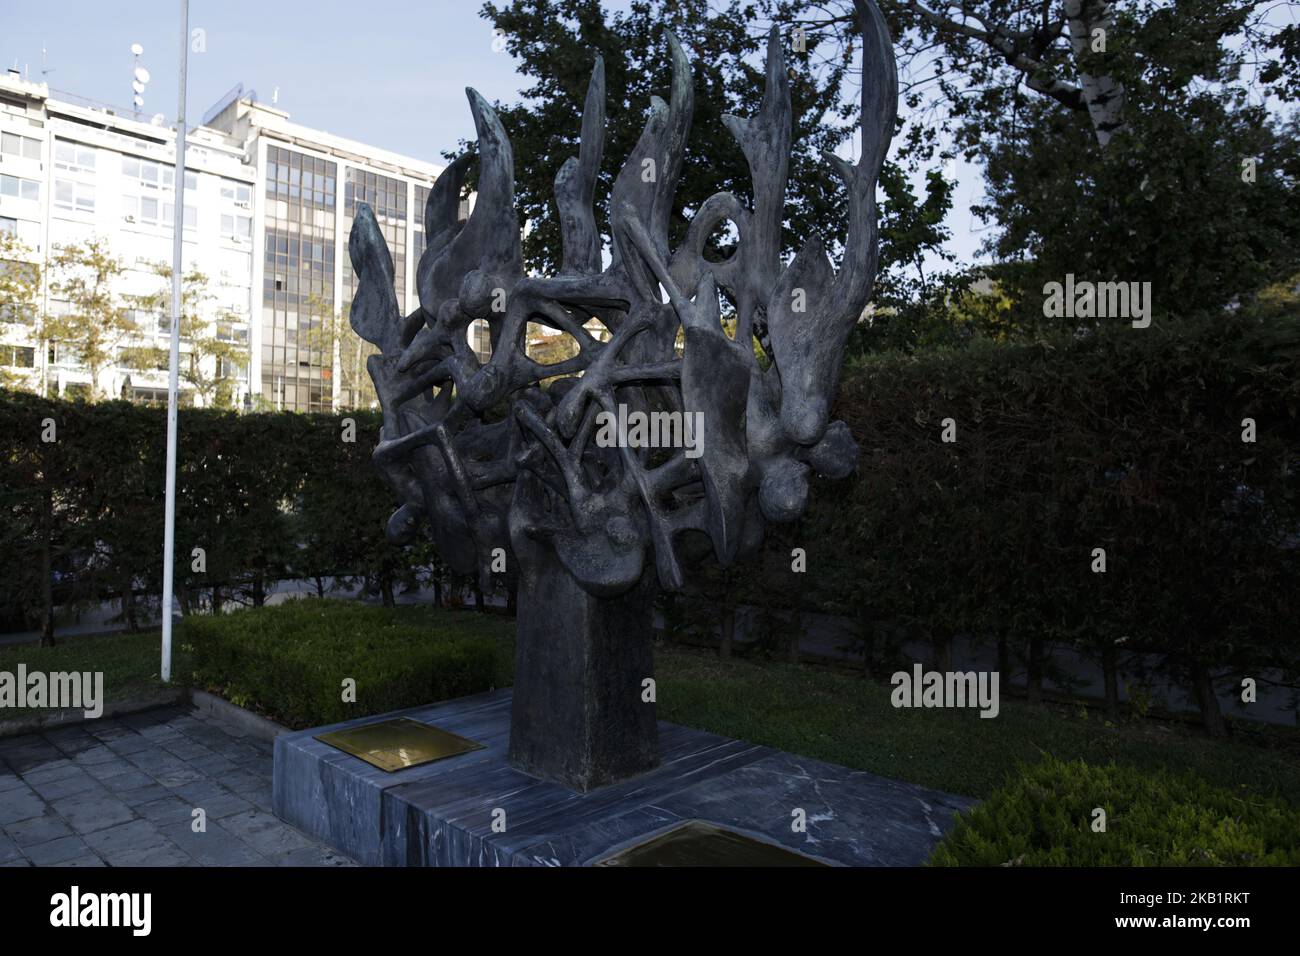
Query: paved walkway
{"points": [[122, 792]]}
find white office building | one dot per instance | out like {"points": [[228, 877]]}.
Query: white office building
{"points": [[268, 207]]}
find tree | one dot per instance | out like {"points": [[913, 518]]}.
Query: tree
{"points": [[96, 321], [1130, 141], [21, 281], [557, 42], [209, 362], [331, 333]]}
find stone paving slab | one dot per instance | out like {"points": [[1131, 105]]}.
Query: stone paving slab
{"points": [[122, 792]]}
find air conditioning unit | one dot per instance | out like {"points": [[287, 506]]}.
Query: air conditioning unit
{"points": [[243, 203], [129, 218]]}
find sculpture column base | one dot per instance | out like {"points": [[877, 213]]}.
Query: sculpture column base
{"points": [[578, 718]]}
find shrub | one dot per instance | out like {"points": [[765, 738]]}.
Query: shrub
{"points": [[289, 661], [1153, 818], [1128, 440]]}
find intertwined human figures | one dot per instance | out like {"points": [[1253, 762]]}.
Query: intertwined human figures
{"points": [[498, 459]]}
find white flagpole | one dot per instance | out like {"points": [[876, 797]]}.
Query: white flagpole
{"points": [[178, 244]]}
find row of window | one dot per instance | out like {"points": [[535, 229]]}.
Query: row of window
{"points": [[73, 157], [155, 175], [20, 188], [239, 192], [80, 197], [12, 144]]}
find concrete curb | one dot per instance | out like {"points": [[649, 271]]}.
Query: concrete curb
{"points": [[53, 719], [255, 725]]}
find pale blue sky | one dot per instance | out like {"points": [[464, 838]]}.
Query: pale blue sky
{"points": [[391, 73]]}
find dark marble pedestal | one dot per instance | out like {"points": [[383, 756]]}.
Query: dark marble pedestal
{"points": [[449, 813]]}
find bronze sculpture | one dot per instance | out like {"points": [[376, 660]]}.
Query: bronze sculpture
{"points": [[499, 458]]}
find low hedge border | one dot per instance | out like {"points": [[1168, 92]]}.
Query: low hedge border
{"points": [[290, 662], [1045, 817]]}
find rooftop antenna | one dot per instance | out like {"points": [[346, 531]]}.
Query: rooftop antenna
{"points": [[139, 77], [275, 96], [45, 69]]}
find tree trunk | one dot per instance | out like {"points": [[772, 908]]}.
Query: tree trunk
{"points": [[1103, 95], [1034, 678], [47, 571], [1004, 657], [867, 629], [478, 597], [386, 590], [1110, 674], [728, 630], [941, 647], [216, 599], [128, 606], [796, 630], [259, 591], [1208, 701], [320, 586]]}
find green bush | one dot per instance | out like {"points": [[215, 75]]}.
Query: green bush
{"points": [[1153, 818], [1128, 440], [289, 661], [266, 496]]}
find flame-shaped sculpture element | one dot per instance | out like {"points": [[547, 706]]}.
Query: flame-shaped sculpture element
{"points": [[504, 455]]}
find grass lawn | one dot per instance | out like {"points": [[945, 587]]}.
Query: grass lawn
{"points": [[130, 662], [816, 712], [846, 720]]}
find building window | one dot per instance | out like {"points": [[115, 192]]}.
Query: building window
{"points": [[236, 227], [421, 200], [20, 188], [12, 144], [191, 215], [234, 334], [387, 200], [8, 227], [152, 175], [147, 396], [228, 368], [157, 212], [237, 192], [74, 197], [73, 157], [298, 285], [18, 356], [17, 313]]}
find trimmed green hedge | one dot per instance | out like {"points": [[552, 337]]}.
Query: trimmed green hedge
{"points": [[289, 661], [266, 496], [1127, 440], [1153, 818]]}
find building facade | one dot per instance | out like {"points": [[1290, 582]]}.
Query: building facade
{"points": [[268, 207]]}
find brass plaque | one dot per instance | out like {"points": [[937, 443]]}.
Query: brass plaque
{"points": [[697, 843], [398, 743]]}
